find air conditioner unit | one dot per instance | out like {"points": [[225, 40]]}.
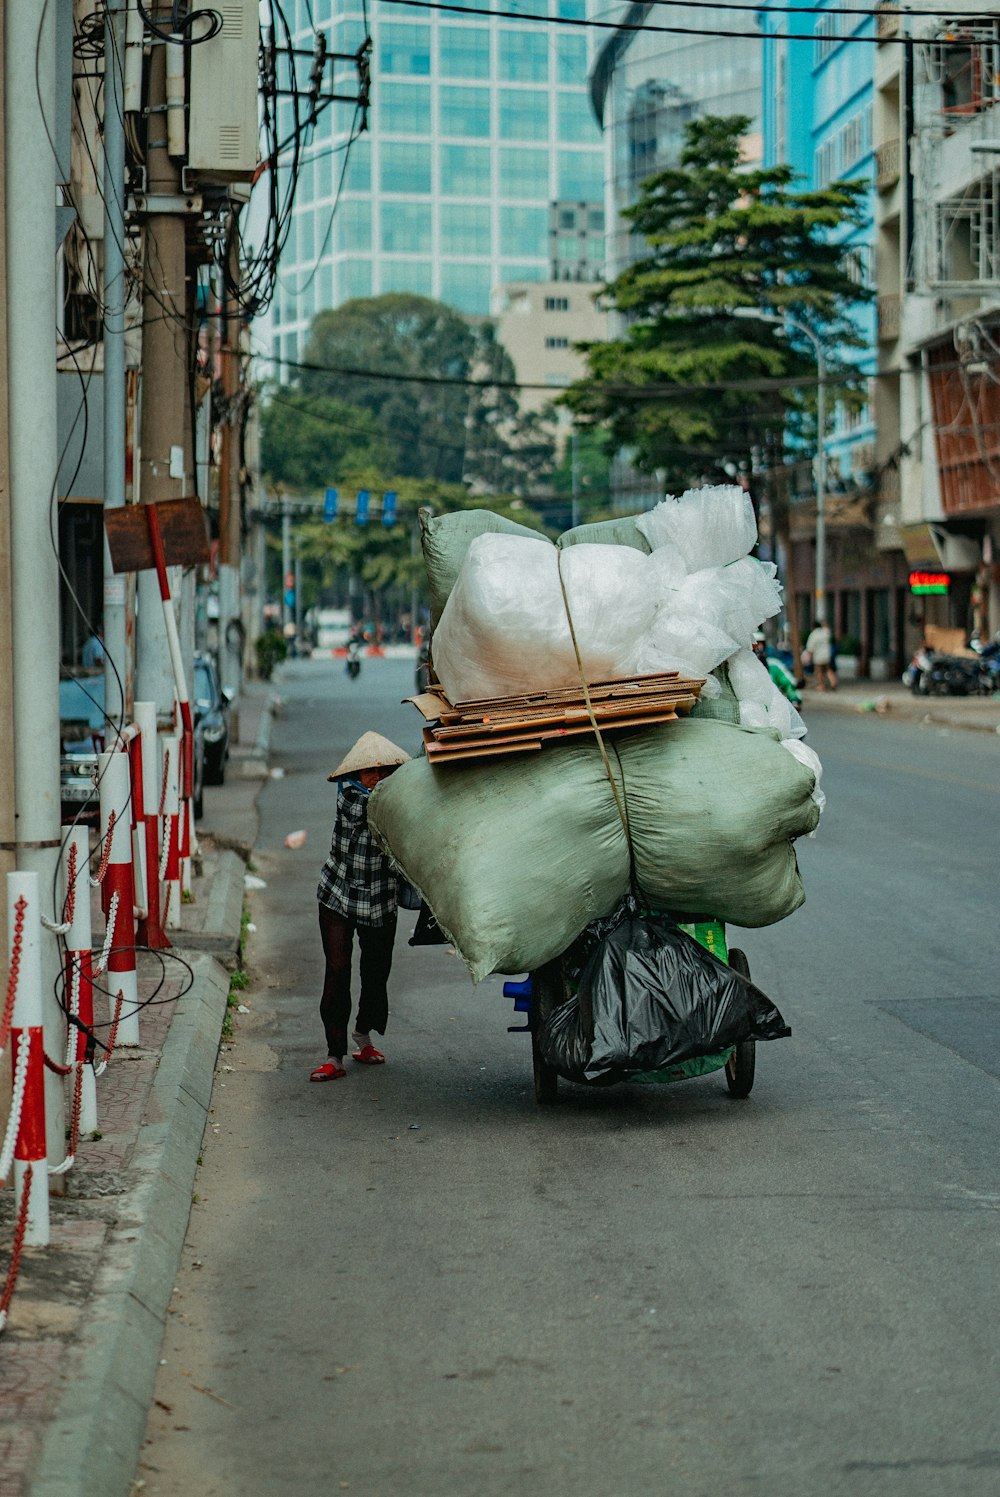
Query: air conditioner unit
{"points": [[222, 113]]}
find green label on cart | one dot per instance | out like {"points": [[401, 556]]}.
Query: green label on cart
{"points": [[712, 935]]}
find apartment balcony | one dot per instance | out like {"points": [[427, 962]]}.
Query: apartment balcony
{"points": [[887, 164], [886, 22], [888, 317]]}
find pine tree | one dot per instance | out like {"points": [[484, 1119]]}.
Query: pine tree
{"points": [[717, 237]]}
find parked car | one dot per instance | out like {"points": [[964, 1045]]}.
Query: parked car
{"points": [[81, 738], [82, 733], [210, 710]]}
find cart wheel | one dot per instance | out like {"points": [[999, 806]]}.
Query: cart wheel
{"points": [[548, 989], [740, 1065]]}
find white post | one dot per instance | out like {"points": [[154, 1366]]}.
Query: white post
{"points": [[171, 830], [121, 975], [79, 971], [30, 309]]}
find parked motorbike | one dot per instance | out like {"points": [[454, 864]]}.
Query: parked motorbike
{"points": [[989, 666], [916, 675], [952, 676]]}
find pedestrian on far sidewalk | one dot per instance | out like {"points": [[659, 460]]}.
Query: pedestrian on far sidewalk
{"points": [[358, 892], [819, 649]]}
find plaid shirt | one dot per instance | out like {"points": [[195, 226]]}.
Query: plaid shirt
{"points": [[357, 878]]}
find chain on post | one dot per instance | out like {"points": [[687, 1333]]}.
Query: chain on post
{"points": [[16, 1109], [105, 852], [69, 904], [15, 962], [109, 935], [113, 1036], [20, 1228]]}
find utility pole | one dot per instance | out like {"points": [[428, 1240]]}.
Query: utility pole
{"points": [[116, 624], [230, 654], [8, 826], [286, 563], [30, 309], [575, 478], [163, 467]]}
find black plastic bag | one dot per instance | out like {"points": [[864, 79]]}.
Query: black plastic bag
{"points": [[427, 932], [650, 996]]}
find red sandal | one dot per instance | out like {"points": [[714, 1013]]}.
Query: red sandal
{"points": [[331, 1070], [369, 1056]]}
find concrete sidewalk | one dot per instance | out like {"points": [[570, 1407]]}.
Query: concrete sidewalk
{"points": [[894, 702], [79, 1355]]}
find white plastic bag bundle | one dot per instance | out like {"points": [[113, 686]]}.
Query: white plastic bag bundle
{"points": [[709, 527], [679, 642], [504, 628], [736, 598], [762, 705]]}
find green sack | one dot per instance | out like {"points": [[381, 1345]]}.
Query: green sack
{"points": [[516, 856], [514, 859], [445, 539], [621, 531], [712, 810]]}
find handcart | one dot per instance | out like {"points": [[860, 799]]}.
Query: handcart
{"points": [[545, 989]]}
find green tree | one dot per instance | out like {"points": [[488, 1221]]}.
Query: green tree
{"points": [[720, 237], [310, 441], [443, 416]]}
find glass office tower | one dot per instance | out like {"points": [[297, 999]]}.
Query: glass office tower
{"points": [[477, 126], [647, 85]]}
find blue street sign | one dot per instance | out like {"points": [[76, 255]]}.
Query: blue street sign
{"points": [[330, 505], [389, 507], [361, 507]]}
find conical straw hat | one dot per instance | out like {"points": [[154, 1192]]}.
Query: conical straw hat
{"points": [[371, 751]]}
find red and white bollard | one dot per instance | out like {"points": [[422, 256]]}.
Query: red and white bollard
{"points": [[133, 747], [150, 929], [118, 894], [28, 1055], [171, 857], [79, 974], [185, 807]]}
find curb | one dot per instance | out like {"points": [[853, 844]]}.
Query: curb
{"points": [[898, 710], [223, 911], [92, 1443]]}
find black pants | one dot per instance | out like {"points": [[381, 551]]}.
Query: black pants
{"points": [[375, 941]]}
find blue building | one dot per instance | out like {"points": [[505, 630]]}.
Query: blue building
{"points": [[819, 96], [480, 140], [818, 99]]}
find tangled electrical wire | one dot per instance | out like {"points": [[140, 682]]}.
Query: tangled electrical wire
{"points": [[250, 274]]}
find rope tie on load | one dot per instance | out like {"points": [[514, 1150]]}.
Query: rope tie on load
{"points": [[622, 812]]}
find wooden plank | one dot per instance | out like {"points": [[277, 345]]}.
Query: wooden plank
{"points": [[484, 749], [447, 756]]}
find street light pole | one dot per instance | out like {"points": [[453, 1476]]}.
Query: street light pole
{"points": [[748, 314]]}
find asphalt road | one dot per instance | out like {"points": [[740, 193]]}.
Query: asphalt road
{"points": [[416, 1283]]}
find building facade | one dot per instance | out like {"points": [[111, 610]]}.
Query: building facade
{"points": [[818, 116], [938, 268], [479, 128], [646, 85], [539, 323]]}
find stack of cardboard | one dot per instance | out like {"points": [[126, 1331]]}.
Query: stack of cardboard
{"points": [[492, 726]]}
